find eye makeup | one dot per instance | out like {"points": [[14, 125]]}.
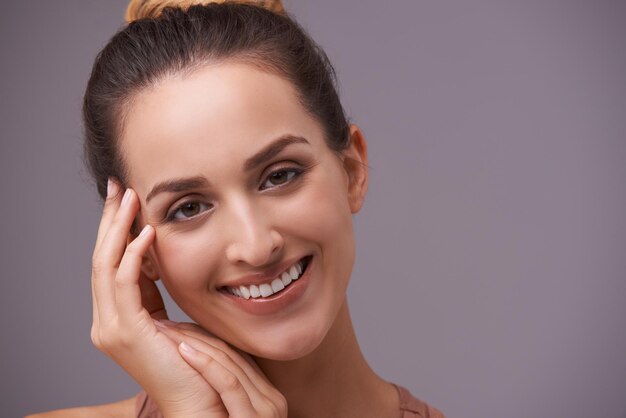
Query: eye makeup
{"points": [[291, 174]]}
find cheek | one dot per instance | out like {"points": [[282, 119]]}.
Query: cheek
{"points": [[319, 212], [183, 258]]}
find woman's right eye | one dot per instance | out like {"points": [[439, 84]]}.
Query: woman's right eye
{"points": [[187, 210]]}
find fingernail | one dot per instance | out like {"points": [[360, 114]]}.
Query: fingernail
{"points": [[126, 197], [187, 348], [111, 187], [145, 230]]}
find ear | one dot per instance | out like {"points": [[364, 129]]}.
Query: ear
{"points": [[148, 268], [355, 164]]}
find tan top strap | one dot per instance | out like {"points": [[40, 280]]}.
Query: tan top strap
{"points": [[411, 407]]}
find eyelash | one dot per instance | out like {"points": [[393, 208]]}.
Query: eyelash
{"points": [[297, 172]]}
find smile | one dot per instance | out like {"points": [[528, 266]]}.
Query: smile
{"points": [[264, 290]]}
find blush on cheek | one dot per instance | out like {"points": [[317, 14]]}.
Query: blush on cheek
{"points": [[312, 217], [183, 258]]}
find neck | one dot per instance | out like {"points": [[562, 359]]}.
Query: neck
{"points": [[335, 372]]}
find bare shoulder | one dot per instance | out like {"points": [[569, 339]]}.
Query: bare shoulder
{"points": [[120, 409]]}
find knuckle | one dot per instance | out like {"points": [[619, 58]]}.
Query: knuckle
{"points": [[281, 405], [207, 362], [122, 282], [115, 341], [106, 336], [231, 383], [221, 345], [97, 266], [271, 409], [277, 404], [220, 356], [104, 340], [95, 337]]}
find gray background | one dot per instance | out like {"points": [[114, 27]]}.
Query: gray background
{"points": [[491, 267]]}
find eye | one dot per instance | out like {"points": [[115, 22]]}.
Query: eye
{"points": [[187, 210], [280, 177]]}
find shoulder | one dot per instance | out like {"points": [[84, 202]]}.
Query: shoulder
{"points": [[411, 407], [120, 409]]}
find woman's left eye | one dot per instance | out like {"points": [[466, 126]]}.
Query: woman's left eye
{"points": [[188, 210], [280, 177]]}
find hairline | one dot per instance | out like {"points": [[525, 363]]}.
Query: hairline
{"points": [[250, 58]]}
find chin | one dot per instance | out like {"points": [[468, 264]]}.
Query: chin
{"points": [[293, 350], [287, 344]]}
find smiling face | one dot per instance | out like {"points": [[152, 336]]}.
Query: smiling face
{"points": [[238, 181]]}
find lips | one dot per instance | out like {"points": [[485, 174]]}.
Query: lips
{"points": [[277, 300], [270, 287]]}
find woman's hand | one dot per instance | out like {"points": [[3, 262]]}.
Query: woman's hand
{"points": [[122, 326], [241, 385]]}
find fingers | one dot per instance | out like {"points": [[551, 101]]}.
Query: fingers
{"points": [[230, 388], [263, 396], [128, 296], [114, 242], [99, 287], [114, 197], [216, 349], [117, 219], [95, 323], [243, 360], [119, 288]]}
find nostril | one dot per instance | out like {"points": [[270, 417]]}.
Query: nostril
{"points": [[256, 249]]}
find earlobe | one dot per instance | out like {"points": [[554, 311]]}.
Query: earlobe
{"points": [[355, 164]]}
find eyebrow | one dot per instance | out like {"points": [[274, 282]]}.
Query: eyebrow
{"points": [[196, 182], [271, 150], [177, 185]]}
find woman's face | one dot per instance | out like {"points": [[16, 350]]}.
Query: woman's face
{"points": [[241, 187]]}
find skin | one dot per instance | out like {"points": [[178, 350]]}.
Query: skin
{"points": [[205, 124]]}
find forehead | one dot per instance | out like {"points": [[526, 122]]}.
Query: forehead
{"points": [[217, 115]]}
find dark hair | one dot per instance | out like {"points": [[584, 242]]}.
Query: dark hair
{"points": [[150, 49]]}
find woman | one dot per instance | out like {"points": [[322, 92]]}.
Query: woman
{"points": [[229, 172]]}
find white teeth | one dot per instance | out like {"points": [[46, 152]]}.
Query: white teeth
{"points": [[286, 278], [245, 292], [254, 291], [293, 272], [277, 285], [266, 290]]}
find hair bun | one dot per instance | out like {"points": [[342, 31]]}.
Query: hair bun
{"points": [[138, 9]]}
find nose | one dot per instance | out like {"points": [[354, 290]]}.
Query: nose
{"points": [[253, 240]]}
